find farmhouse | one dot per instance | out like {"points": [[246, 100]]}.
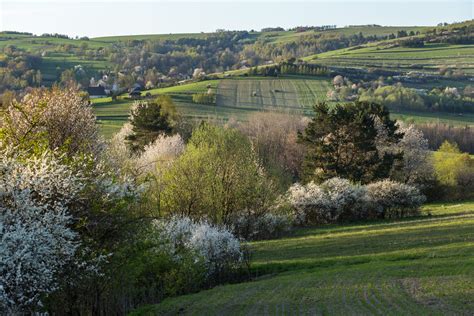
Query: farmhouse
{"points": [[135, 92], [96, 92]]}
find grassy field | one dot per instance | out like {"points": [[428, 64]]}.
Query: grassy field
{"points": [[419, 266], [427, 59], [297, 95], [237, 98]]}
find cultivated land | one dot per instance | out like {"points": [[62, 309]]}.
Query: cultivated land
{"points": [[237, 98], [426, 59], [286, 94], [419, 266]]}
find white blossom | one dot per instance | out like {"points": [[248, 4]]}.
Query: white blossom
{"points": [[417, 168], [35, 239], [337, 199], [160, 152], [216, 247]]}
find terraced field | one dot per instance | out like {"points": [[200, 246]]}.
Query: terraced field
{"points": [[292, 95], [421, 266], [427, 59]]}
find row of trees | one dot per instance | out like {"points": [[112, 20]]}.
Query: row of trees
{"points": [[398, 97]]}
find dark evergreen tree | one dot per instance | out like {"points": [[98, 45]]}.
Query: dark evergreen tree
{"points": [[149, 120], [341, 141]]}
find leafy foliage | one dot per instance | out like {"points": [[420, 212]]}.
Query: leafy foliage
{"points": [[217, 175], [149, 120], [341, 140]]}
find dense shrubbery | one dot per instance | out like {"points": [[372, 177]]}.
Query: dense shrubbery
{"points": [[337, 200], [454, 171], [216, 249], [268, 225], [400, 98], [395, 97], [204, 98], [218, 175]]}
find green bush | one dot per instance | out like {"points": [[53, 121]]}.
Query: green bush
{"points": [[217, 176], [204, 98]]}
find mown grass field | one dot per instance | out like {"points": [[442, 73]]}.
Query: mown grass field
{"points": [[418, 266], [427, 59], [288, 94]]}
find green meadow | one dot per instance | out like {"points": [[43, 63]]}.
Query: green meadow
{"points": [[418, 266]]}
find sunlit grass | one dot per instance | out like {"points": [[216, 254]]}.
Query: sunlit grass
{"points": [[423, 266]]}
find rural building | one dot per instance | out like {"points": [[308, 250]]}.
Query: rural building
{"points": [[96, 92], [135, 92]]}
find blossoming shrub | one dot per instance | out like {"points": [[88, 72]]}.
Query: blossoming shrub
{"points": [[160, 152], [337, 199], [53, 118], [266, 226], [393, 199], [36, 241], [215, 248]]}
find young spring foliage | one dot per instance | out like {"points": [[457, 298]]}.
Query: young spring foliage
{"points": [[217, 175]]}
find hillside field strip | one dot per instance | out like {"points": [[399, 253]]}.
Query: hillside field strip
{"points": [[289, 95], [426, 59], [417, 266]]}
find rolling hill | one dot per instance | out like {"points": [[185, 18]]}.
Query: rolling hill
{"points": [[420, 266], [58, 53]]}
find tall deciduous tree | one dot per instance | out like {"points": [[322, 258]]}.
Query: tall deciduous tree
{"points": [[218, 176], [54, 118], [341, 141]]}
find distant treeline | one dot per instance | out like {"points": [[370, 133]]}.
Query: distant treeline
{"points": [[289, 68], [437, 133], [16, 33]]}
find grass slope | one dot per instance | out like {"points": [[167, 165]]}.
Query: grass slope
{"points": [[283, 94], [421, 266], [427, 59]]}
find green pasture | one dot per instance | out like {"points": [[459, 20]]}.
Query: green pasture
{"points": [[418, 266]]}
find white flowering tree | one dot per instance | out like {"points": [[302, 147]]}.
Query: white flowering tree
{"points": [[329, 202], [36, 241], [54, 118], [337, 199], [388, 198], [417, 168], [215, 247]]}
